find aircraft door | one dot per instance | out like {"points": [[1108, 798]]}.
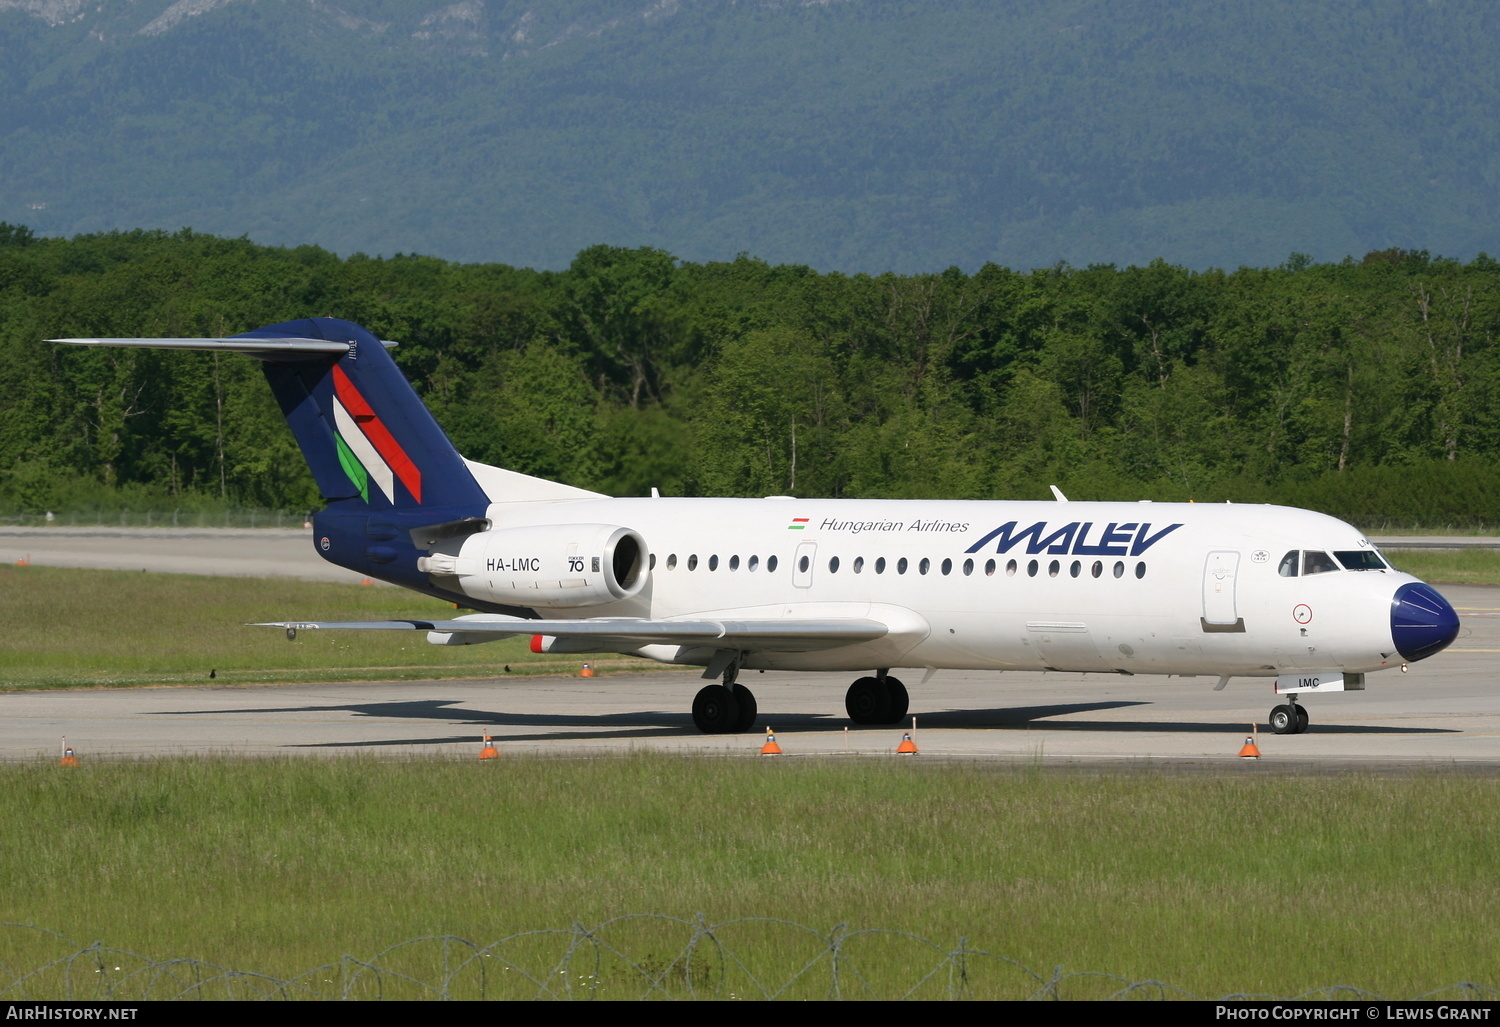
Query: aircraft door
{"points": [[802, 564], [1219, 608]]}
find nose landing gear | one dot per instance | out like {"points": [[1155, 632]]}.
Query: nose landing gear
{"points": [[1289, 719]]}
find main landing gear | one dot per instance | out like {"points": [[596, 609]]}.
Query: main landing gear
{"points": [[1289, 719], [725, 709], [878, 700], [730, 708]]}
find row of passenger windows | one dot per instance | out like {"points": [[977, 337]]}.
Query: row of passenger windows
{"points": [[1053, 568]]}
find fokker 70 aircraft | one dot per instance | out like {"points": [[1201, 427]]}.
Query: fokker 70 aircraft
{"points": [[866, 586]]}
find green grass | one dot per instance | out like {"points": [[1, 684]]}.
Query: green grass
{"points": [[84, 628], [1451, 566], [1215, 883]]}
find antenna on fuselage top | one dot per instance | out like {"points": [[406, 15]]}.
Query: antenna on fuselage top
{"points": [[1057, 494]]}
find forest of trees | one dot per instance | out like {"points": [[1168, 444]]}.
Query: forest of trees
{"points": [[1365, 388]]}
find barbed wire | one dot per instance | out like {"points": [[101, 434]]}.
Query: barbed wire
{"points": [[637, 956]]}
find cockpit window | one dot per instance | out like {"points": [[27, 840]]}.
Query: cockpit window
{"points": [[1316, 562], [1360, 560], [1288, 568]]}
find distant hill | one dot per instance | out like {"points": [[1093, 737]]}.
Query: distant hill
{"points": [[854, 135]]}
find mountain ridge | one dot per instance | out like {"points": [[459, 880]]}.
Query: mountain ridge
{"points": [[850, 136]]}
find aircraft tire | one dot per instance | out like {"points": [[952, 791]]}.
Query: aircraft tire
{"points": [[1301, 719], [1284, 720], [867, 702], [745, 699], [714, 710], [900, 701]]}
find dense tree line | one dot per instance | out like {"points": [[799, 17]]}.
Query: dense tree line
{"points": [[1366, 388]]}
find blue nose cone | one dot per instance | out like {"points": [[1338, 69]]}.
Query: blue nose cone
{"points": [[1422, 622]]}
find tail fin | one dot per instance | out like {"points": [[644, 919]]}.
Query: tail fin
{"points": [[362, 429], [366, 436]]}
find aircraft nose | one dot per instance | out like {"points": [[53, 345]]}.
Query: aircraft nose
{"points": [[1422, 622]]}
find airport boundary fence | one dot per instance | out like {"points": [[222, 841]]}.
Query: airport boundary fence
{"points": [[158, 517], [641, 957]]}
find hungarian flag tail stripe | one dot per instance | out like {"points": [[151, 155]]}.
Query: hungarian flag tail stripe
{"points": [[366, 456], [351, 464], [379, 436]]}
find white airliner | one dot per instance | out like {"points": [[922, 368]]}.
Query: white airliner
{"points": [[865, 586]]}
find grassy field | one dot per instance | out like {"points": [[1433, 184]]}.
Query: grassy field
{"points": [[70, 628], [1454, 566], [1215, 883]]}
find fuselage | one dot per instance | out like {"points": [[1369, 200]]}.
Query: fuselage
{"points": [[1128, 588]]}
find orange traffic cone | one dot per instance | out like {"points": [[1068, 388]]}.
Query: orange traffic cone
{"points": [[1249, 750], [489, 752], [586, 672], [25, 561], [770, 748], [68, 759], [907, 746], [367, 581]]}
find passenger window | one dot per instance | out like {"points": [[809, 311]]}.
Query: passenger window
{"points": [[901, 566], [713, 563], [1288, 568], [770, 564], [693, 562], [833, 565], [1010, 568], [1031, 569], [754, 563], [859, 564], [948, 567], [651, 563], [1053, 568], [1073, 570], [1316, 562], [803, 564], [734, 563], [672, 562], [1119, 568], [924, 565], [880, 565], [1140, 569], [989, 569], [1098, 568]]}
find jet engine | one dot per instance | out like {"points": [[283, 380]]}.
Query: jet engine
{"points": [[547, 566]]}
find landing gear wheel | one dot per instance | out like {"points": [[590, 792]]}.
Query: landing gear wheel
{"points": [[715, 711], [868, 701], [899, 700], [1301, 720], [1284, 720], [745, 699]]}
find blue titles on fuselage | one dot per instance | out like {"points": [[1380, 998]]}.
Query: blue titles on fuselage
{"points": [[1115, 539]]}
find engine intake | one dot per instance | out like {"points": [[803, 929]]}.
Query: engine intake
{"points": [[548, 566]]}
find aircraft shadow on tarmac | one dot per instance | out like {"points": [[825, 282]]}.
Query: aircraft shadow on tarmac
{"points": [[662, 724]]}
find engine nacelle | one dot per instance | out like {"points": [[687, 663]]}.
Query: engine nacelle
{"points": [[553, 565]]}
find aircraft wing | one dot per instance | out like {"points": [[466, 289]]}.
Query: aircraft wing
{"points": [[782, 635]]}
